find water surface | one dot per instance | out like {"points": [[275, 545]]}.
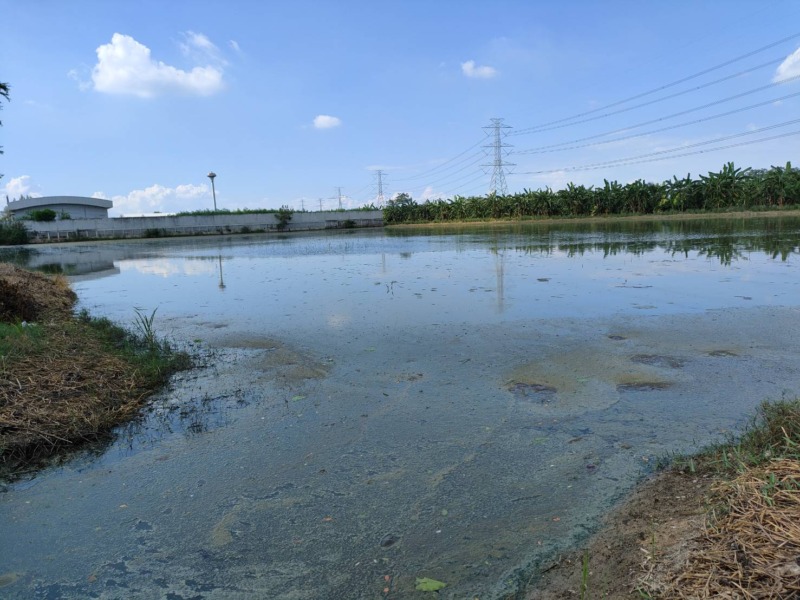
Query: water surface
{"points": [[457, 405]]}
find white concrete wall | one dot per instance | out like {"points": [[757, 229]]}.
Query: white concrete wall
{"points": [[137, 227]]}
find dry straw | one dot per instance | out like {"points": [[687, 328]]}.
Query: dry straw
{"points": [[750, 548]]}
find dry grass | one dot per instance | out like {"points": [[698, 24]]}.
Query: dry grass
{"points": [[65, 379], [63, 391], [26, 296], [750, 548]]}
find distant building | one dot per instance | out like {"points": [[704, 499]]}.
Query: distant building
{"points": [[77, 207]]}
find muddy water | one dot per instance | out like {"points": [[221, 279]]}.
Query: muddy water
{"points": [[374, 407]]}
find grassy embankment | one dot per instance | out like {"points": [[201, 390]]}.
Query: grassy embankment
{"points": [[724, 523], [66, 379]]}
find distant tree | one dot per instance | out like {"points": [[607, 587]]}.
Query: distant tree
{"points": [[401, 199]]}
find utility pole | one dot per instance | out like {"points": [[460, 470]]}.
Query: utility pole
{"points": [[320, 205], [379, 183], [302, 205], [339, 196], [498, 182]]}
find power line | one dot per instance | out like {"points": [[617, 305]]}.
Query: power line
{"points": [[442, 185], [443, 172], [636, 162], [637, 159], [728, 99], [564, 145], [440, 182], [439, 166], [654, 90], [466, 184]]}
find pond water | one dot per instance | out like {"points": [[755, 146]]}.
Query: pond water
{"points": [[374, 407]]}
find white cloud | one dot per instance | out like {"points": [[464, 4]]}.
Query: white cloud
{"points": [[158, 198], [125, 67], [430, 194], [789, 67], [21, 186], [234, 46], [470, 69], [326, 121]]}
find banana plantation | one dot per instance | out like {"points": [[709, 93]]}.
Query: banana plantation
{"points": [[730, 188]]}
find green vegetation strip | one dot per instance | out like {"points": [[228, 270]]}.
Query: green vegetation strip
{"points": [[731, 188]]}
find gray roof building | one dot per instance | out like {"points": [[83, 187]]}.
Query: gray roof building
{"points": [[77, 207]]}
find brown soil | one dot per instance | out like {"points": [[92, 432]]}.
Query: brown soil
{"points": [[650, 532]]}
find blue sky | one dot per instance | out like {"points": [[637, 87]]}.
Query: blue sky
{"points": [[285, 101]]}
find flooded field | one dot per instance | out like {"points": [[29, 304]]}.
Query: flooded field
{"points": [[376, 407]]}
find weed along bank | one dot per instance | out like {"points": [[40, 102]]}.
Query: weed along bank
{"points": [[211, 224]]}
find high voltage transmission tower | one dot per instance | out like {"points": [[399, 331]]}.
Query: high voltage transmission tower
{"points": [[339, 196], [498, 183], [379, 197]]}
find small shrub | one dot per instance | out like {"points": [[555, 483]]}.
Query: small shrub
{"points": [[283, 216], [13, 234], [43, 215], [154, 232]]}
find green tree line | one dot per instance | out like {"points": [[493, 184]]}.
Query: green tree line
{"points": [[730, 188]]}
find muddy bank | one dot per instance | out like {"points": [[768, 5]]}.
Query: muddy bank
{"points": [[723, 523], [659, 519]]}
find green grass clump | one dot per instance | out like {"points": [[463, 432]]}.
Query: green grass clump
{"points": [[154, 357], [18, 339], [773, 433]]}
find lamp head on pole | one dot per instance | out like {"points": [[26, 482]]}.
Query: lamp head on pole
{"points": [[211, 175]]}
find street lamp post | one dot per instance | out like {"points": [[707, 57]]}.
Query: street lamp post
{"points": [[213, 190]]}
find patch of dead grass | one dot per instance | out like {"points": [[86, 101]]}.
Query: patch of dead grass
{"points": [[750, 546], [65, 380]]}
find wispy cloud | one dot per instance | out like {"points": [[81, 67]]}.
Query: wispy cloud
{"points": [[125, 67], [199, 48], [326, 122], [470, 69], [789, 67]]}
